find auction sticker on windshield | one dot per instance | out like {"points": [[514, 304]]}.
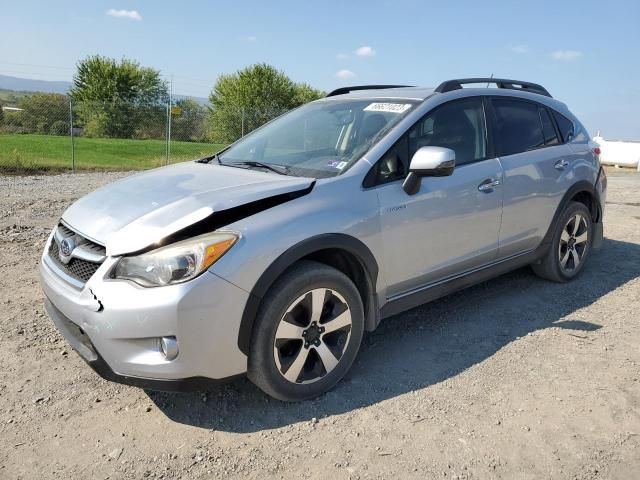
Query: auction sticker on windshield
{"points": [[388, 107], [337, 164]]}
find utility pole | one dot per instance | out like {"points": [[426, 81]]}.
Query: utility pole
{"points": [[73, 146], [170, 115], [168, 129]]}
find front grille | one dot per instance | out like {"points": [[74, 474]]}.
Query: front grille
{"points": [[77, 268]]}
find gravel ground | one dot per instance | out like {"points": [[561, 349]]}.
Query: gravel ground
{"points": [[514, 378]]}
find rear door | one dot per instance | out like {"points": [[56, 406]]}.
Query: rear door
{"points": [[451, 225], [534, 162]]}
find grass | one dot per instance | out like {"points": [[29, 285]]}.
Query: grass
{"points": [[27, 153]]}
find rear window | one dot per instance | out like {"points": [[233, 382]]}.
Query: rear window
{"points": [[565, 126], [518, 124]]}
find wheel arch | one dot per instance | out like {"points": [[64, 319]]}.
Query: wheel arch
{"points": [[343, 252], [583, 192]]}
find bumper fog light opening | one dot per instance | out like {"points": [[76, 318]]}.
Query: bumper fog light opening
{"points": [[169, 347]]}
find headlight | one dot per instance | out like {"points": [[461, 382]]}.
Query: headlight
{"points": [[175, 263]]}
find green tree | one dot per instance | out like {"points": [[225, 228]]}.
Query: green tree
{"points": [[118, 98], [188, 120], [244, 100], [43, 113], [306, 93]]}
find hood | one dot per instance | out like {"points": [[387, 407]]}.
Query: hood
{"points": [[133, 213]]}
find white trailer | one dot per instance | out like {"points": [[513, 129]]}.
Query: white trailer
{"points": [[618, 153]]}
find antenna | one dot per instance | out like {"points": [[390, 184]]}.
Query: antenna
{"points": [[489, 83]]}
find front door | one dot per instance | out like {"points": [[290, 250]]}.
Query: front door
{"points": [[452, 224]]}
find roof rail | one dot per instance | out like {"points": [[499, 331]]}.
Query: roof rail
{"points": [[343, 90], [456, 84]]}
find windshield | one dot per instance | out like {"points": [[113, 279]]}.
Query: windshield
{"points": [[320, 139]]}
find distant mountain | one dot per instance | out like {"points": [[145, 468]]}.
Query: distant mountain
{"points": [[201, 100], [30, 85]]}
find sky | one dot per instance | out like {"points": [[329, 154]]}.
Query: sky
{"points": [[586, 53]]}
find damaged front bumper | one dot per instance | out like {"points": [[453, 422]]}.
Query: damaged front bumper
{"points": [[116, 327]]}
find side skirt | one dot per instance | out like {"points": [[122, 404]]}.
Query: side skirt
{"points": [[406, 301]]}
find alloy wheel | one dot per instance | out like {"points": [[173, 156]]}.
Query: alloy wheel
{"points": [[573, 243], [312, 336]]}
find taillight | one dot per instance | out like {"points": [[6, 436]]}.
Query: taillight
{"points": [[596, 150]]}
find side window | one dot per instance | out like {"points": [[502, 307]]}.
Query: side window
{"points": [[458, 125], [518, 126], [565, 126], [548, 130]]}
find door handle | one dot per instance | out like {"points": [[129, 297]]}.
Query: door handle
{"points": [[560, 164], [488, 185]]}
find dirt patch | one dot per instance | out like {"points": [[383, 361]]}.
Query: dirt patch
{"points": [[513, 378]]}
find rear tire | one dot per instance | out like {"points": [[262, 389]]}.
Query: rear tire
{"points": [[307, 333], [570, 245]]}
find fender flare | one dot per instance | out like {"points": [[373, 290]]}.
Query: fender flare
{"points": [[306, 247], [578, 187]]}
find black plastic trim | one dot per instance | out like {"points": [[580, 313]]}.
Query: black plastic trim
{"points": [[554, 121], [311, 245], [456, 84], [189, 384], [343, 90], [489, 127], [446, 287], [576, 188]]}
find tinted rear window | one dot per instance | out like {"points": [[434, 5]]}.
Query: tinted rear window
{"points": [[518, 126], [565, 126]]}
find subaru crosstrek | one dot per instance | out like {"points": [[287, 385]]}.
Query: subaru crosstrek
{"points": [[274, 256]]}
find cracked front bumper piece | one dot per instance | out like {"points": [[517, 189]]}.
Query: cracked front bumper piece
{"points": [[117, 327]]}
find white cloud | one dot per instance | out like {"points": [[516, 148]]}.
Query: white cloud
{"points": [[130, 14], [252, 38], [344, 74], [342, 56], [520, 49], [566, 55], [365, 52]]}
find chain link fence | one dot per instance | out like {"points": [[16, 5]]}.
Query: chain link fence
{"points": [[48, 133]]}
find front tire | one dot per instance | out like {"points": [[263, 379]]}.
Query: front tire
{"points": [[307, 333], [570, 245]]}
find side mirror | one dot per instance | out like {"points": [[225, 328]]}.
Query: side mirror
{"points": [[429, 162]]}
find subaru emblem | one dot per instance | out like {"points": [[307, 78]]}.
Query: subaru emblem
{"points": [[66, 246]]}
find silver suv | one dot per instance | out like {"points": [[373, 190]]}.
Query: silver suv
{"points": [[274, 256]]}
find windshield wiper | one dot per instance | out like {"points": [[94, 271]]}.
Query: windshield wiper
{"points": [[280, 169]]}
